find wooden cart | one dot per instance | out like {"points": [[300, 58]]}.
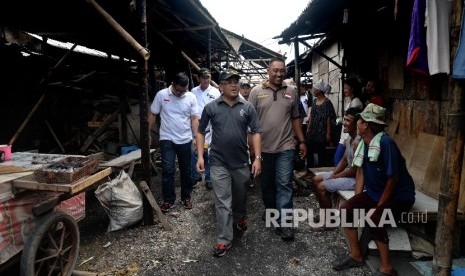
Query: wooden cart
{"points": [[39, 220]]}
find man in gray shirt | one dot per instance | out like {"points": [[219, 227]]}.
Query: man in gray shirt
{"points": [[232, 120]]}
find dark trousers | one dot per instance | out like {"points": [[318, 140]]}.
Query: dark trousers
{"points": [[169, 151], [363, 201], [316, 154]]}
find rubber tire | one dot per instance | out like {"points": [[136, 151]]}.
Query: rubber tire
{"points": [[39, 236]]}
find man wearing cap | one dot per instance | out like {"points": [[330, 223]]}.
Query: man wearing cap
{"points": [[382, 171], [232, 119], [204, 93], [277, 105], [178, 123], [245, 90]]}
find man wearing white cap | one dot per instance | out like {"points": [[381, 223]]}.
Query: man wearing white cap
{"points": [[204, 93]]}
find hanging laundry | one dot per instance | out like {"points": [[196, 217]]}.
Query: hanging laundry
{"points": [[459, 60], [417, 59], [437, 35]]}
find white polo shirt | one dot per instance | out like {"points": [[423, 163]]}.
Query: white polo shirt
{"points": [[175, 115], [203, 98]]}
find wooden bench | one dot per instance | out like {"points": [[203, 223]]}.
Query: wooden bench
{"points": [[424, 159], [127, 161]]}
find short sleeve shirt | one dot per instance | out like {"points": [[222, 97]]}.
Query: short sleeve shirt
{"points": [[230, 125], [204, 97], [175, 115], [276, 109], [390, 162]]}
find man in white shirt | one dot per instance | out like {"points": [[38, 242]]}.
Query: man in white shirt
{"points": [[179, 119], [204, 93]]}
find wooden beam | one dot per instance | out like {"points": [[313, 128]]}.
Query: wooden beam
{"points": [[160, 217]]}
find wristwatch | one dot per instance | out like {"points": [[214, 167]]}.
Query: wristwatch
{"points": [[259, 158]]}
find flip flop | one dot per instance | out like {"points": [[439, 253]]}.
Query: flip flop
{"points": [[379, 273], [347, 262]]}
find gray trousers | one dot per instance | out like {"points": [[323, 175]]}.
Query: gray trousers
{"points": [[230, 188]]}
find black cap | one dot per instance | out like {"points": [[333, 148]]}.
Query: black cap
{"points": [[229, 73], [204, 72], [245, 83]]}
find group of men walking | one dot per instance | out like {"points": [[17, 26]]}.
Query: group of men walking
{"points": [[228, 136]]}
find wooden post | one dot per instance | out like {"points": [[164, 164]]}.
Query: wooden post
{"points": [[209, 49], [296, 64], [144, 111], [453, 155]]}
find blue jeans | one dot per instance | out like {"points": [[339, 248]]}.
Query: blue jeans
{"points": [[169, 151], [195, 175], [276, 180]]}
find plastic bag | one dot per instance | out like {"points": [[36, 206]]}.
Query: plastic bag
{"points": [[121, 200]]}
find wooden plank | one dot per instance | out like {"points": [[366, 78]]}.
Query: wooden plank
{"points": [[159, 214], [398, 241], [392, 128], [405, 118], [11, 176], [461, 204], [433, 174], [406, 145], [124, 160], [28, 183], [421, 158]]}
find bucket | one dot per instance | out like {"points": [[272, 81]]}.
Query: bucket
{"points": [[7, 151]]}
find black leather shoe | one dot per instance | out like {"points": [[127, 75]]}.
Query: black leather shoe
{"points": [[287, 234]]}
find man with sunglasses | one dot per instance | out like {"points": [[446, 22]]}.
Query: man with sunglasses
{"points": [[178, 111]]}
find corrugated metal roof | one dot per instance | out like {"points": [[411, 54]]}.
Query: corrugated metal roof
{"points": [[183, 22]]}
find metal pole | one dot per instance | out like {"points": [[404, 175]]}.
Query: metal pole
{"points": [[453, 155]]}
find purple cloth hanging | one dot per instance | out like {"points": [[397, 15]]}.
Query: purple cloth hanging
{"points": [[417, 59], [459, 60]]}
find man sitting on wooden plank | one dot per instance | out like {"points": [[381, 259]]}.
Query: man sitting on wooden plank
{"points": [[389, 190], [343, 176]]}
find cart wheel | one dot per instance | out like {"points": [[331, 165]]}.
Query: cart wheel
{"points": [[52, 248]]}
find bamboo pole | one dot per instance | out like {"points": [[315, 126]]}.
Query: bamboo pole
{"points": [[453, 155], [121, 31], [55, 136]]}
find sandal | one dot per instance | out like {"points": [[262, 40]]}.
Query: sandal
{"points": [[347, 262], [379, 273]]}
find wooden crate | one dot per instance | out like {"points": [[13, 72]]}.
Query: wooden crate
{"points": [[67, 170]]}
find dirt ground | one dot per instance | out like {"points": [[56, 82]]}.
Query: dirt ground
{"points": [[151, 250]]}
